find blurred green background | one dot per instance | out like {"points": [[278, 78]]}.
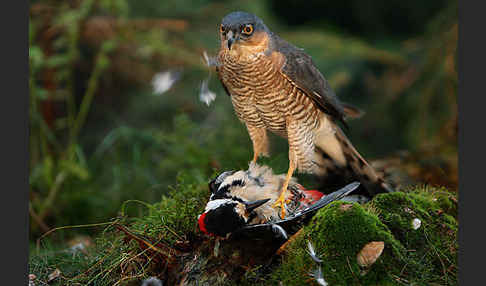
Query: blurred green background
{"points": [[100, 136]]}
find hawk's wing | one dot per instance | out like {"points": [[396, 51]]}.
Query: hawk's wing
{"points": [[300, 69]]}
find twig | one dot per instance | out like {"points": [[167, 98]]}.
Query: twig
{"points": [[71, 226], [351, 269], [438, 256], [37, 219], [94, 265], [123, 260], [168, 252], [401, 280], [129, 278], [292, 238], [88, 96], [61, 176]]}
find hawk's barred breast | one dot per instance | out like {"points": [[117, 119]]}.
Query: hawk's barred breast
{"points": [[263, 97]]}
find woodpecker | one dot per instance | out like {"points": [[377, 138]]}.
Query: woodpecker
{"points": [[243, 200]]}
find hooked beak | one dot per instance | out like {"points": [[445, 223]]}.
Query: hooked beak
{"points": [[231, 39], [250, 206]]}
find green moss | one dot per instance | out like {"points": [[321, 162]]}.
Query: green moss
{"points": [[412, 256], [432, 248], [339, 232], [175, 216], [448, 203], [423, 256], [172, 219]]}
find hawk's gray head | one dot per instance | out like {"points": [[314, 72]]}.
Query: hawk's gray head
{"points": [[242, 28]]}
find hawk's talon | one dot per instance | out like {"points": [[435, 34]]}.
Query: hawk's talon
{"points": [[255, 158], [280, 202]]}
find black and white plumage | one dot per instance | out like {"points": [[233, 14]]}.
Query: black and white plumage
{"points": [[294, 221], [241, 203]]}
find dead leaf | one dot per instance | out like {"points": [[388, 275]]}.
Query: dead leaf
{"points": [[54, 274], [370, 253]]}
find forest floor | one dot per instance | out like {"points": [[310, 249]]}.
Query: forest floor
{"points": [[415, 229]]}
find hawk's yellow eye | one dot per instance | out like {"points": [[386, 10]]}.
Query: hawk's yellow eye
{"points": [[248, 29], [221, 29]]}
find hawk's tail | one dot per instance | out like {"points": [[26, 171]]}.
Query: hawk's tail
{"points": [[337, 159]]}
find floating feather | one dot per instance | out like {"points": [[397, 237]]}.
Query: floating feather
{"points": [[312, 252], [163, 81]]}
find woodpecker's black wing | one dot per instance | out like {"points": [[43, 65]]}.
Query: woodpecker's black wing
{"points": [[325, 200], [301, 70], [293, 222]]}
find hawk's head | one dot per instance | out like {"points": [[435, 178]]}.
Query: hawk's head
{"points": [[241, 30]]}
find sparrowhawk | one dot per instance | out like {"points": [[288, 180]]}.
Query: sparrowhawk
{"points": [[275, 86]]}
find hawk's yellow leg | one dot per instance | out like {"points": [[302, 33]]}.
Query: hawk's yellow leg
{"points": [[255, 156], [259, 139], [294, 138], [281, 201]]}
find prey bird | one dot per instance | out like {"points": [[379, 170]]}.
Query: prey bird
{"points": [[275, 86], [241, 203]]}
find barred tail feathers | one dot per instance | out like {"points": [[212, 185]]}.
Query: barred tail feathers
{"points": [[335, 154]]}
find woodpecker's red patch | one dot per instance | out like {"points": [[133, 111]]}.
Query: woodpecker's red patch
{"points": [[314, 194], [311, 196], [202, 224]]}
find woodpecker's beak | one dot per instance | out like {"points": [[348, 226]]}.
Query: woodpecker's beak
{"points": [[231, 39], [250, 206]]}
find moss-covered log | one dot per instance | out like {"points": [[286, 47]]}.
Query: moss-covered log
{"points": [[424, 256]]}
